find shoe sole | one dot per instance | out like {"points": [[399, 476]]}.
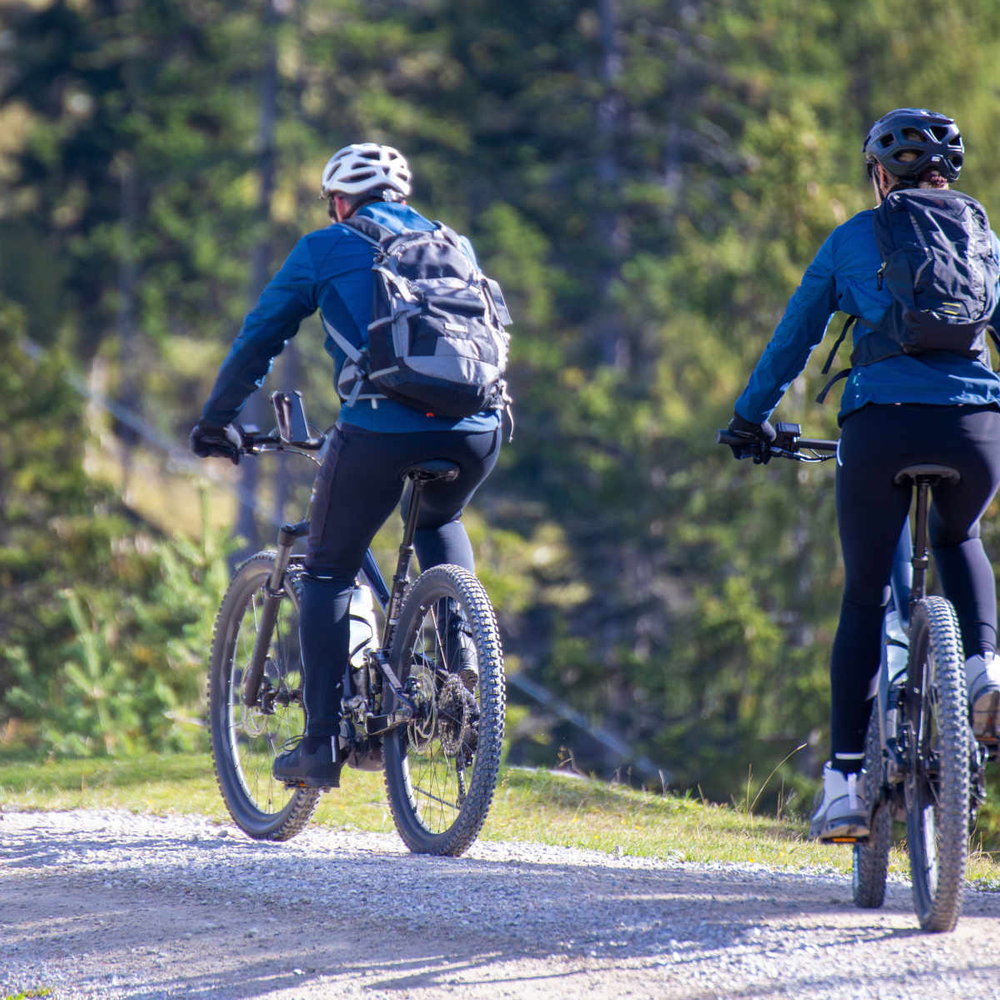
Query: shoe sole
{"points": [[986, 717], [847, 832]]}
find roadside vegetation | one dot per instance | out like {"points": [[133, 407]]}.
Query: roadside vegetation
{"points": [[549, 807]]}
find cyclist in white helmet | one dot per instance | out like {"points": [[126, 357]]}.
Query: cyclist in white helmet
{"points": [[360, 482], [365, 168]]}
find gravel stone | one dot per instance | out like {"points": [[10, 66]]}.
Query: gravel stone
{"points": [[109, 904]]}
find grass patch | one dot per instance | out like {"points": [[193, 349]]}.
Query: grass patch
{"points": [[531, 805]]}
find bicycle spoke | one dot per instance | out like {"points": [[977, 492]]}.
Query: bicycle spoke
{"points": [[434, 798], [246, 739]]}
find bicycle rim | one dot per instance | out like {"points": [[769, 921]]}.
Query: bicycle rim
{"points": [[937, 780], [441, 769], [245, 740]]}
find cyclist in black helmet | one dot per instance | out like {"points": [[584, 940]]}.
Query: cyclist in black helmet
{"points": [[897, 409]]}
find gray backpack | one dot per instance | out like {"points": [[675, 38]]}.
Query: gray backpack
{"points": [[436, 341]]}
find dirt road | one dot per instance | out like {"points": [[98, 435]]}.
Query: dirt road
{"points": [[107, 904]]}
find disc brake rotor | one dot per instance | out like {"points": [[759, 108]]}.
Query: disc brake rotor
{"points": [[420, 687], [458, 716]]}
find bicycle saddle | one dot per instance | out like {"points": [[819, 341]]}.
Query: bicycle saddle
{"points": [[940, 473], [431, 470]]}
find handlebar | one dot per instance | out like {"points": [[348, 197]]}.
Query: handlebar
{"points": [[291, 433], [787, 443], [255, 443]]}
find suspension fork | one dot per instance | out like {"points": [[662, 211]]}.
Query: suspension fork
{"points": [[274, 591]]}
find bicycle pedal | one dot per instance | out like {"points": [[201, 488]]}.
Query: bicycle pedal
{"points": [[306, 786], [848, 840]]}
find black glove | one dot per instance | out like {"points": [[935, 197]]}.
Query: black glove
{"points": [[758, 437], [208, 440]]}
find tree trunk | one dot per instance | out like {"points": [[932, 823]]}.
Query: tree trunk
{"points": [[609, 329], [256, 411]]}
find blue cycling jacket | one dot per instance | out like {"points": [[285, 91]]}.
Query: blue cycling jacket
{"points": [[329, 270], [842, 277]]}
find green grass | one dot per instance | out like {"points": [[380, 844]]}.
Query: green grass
{"points": [[541, 806]]}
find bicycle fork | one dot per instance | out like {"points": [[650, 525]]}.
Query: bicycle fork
{"points": [[274, 591]]}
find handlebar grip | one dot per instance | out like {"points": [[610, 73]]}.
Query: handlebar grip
{"points": [[728, 437], [253, 439], [816, 444]]}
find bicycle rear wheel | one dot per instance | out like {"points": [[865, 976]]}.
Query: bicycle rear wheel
{"points": [[871, 859], [441, 768], [937, 780], [246, 739]]}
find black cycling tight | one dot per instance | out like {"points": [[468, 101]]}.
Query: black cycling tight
{"points": [[875, 443], [358, 486]]}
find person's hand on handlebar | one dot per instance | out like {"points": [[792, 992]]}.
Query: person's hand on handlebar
{"points": [[758, 437], [208, 440]]}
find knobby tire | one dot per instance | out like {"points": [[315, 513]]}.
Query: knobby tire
{"points": [[245, 740], [439, 796], [871, 859], [937, 782]]}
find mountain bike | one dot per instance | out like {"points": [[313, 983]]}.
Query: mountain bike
{"points": [[424, 696], [922, 765]]}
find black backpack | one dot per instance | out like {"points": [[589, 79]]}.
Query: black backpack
{"points": [[436, 340], [938, 263]]}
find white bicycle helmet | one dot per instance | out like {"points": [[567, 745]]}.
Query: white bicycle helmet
{"points": [[366, 166]]}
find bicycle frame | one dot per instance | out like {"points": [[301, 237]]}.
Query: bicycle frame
{"points": [[920, 762], [907, 586], [423, 695], [889, 681], [293, 435]]}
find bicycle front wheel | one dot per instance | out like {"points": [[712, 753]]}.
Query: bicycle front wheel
{"points": [[441, 768], [246, 739], [937, 780], [871, 858]]}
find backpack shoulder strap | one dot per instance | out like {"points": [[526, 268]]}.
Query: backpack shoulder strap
{"points": [[829, 360], [836, 347], [447, 232], [369, 230]]}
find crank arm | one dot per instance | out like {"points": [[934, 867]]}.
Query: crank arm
{"points": [[376, 725]]}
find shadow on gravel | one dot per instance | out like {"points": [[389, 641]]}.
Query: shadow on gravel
{"points": [[222, 917]]}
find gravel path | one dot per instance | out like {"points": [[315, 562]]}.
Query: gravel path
{"points": [[104, 904]]}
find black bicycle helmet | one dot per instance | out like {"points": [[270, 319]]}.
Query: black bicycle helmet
{"points": [[896, 137]]}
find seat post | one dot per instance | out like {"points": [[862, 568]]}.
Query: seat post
{"points": [[923, 476], [405, 553], [920, 560]]}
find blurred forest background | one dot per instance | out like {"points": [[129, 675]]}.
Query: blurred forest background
{"points": [[646, 178]]}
